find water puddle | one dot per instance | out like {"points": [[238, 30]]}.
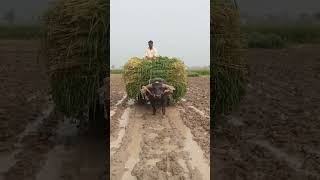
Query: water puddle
{"points": [[33, 126], [121, 100], [197, 159], [7, 160], [196, 154], [293, 162], [66, 136], [74, 156], [114, 108], [135, 149], [123, 123]]}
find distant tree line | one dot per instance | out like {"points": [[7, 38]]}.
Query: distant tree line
{"points": [[302, 18]]}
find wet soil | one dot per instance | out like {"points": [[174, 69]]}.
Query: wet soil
{"points": [[23, 88], [196, 111], [198, 94], [36, 142], [274, 134], [74, 156], [160, 147], [117, 89]]}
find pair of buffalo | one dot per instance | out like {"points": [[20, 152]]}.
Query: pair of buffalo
{"points": [[157, 92]]}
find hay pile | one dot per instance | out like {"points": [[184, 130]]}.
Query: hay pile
{"points": [[229, 56], [138, 72], [76, 44]]}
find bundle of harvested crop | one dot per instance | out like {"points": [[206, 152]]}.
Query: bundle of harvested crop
{"points": [[138, 72], [76, 44], [229, 56]]}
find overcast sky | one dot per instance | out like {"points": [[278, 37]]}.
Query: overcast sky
{"points": [[179, 28]]}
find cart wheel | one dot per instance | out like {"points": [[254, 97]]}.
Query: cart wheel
{"points": [[141, 100], [170, 101]]}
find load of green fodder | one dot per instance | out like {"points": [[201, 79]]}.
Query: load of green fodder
{"points": [[138, 72], [228, 55], [76, 44]]}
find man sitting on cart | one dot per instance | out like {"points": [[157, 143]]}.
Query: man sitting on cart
{"points": [[151, 52]]}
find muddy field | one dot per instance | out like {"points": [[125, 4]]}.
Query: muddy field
{"points": [[35, 141], [274, 134], [174, 146]]}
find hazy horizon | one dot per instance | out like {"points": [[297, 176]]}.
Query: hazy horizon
{"points": [[277, 7]]}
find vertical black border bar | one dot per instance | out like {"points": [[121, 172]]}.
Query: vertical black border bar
{"points": [[212, 89], [107, 95]]}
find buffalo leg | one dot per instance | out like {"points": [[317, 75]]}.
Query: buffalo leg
{"points": [[153, 107], [163, 110], [163, 105]]}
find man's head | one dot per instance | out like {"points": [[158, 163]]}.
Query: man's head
{"points": [[150, 43]]}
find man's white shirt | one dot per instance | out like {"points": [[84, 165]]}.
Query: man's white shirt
{"points": [[150, 53]]}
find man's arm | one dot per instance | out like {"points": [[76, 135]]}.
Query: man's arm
{"points": [[146, 54], [168, 88], [145, 89]]}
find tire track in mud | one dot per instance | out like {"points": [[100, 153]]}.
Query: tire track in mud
{"points": [[158, 147]]}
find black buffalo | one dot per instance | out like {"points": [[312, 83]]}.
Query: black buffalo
{"points": [[158, 94]]}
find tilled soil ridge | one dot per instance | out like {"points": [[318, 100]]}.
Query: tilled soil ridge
{"points": [[158, 147], [274, 134]]}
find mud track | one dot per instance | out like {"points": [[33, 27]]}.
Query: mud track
{"points": [[155, 147]]}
